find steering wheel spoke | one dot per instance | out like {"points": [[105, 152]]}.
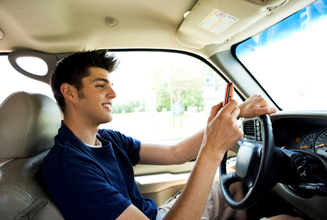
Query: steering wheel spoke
{"points": [[254, 160], [229, 179]]}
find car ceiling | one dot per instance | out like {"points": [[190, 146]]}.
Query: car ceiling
{"points": [[66, 26]]}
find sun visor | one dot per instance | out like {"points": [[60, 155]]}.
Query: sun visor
{"points": [[215, 21]]}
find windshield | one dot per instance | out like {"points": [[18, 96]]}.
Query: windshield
{"points": [[289, 59]]}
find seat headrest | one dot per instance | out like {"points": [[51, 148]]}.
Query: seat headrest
{"points": [[28, 125]]}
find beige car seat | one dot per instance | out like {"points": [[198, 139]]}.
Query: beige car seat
{"points": [[28, 125]]}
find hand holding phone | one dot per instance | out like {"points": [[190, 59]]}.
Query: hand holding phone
{"points": [[229, 93]]}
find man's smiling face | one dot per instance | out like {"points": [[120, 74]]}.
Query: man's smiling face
{"points": [[95, 97]]}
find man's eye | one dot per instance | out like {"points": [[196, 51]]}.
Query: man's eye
{"points": [[100, 86]]}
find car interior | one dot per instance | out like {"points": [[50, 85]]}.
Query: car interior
{"points": [[176, 58]]}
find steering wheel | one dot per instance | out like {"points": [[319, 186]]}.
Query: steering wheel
{"points": [[253, 165]]}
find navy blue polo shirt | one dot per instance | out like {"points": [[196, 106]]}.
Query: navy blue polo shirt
{"points": [[94, 183]]}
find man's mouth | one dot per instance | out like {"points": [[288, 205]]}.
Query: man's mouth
{"points": [[108, 106]]}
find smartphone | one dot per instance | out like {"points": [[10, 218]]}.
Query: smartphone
{"points": [[229, 93]]}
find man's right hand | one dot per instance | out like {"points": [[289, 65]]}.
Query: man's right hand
{"points": [[222, 130]]}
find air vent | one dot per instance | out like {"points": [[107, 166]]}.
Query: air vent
{"points": [[249, 128], [252, 129]]}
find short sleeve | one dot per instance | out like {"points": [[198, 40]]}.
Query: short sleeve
{"points": [[129, 145]]}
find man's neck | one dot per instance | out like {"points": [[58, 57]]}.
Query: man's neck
{"points": [[86, 132]]}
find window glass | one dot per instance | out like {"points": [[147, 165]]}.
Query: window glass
{"points": [[163, 96], [160, 95], [289, 59], [33, 65]]}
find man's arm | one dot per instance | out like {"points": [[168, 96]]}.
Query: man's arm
{"points": [[188, 148], [132, 212], [181, 152], [221, 133]]}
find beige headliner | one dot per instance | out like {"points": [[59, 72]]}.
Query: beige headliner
{"points": [[72, 25]]}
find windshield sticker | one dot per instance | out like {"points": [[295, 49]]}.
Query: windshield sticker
{"points": [[218, 21]]}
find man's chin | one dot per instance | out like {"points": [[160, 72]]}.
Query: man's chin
{"points": [[107, 120]]}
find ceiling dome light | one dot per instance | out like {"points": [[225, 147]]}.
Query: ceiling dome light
{"points": [[111, 20]]}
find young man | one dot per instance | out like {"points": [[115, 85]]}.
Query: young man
{"points": [[89, 172]]}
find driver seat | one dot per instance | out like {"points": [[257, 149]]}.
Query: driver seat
{"points": [[28, 125]]}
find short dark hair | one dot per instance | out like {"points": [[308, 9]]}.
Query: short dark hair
{"points": [[74, 68]]}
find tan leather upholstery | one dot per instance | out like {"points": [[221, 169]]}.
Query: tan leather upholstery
{"points": [[28, 124]]}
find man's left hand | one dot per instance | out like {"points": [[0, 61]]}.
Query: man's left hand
{"points": [[254, 106]]}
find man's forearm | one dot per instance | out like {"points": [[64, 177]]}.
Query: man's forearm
{"points": [[191, 203], [188, 148]]}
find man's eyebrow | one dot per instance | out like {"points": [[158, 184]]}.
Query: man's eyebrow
{"points": [[100, 79]]}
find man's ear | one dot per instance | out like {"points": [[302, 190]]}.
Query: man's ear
{"points": [[68, 91]]}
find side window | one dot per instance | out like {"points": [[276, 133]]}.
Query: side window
{"points": [[163, 96]]}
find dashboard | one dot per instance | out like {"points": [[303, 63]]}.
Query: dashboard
{"points": [[304, 134], [301, 131]]}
